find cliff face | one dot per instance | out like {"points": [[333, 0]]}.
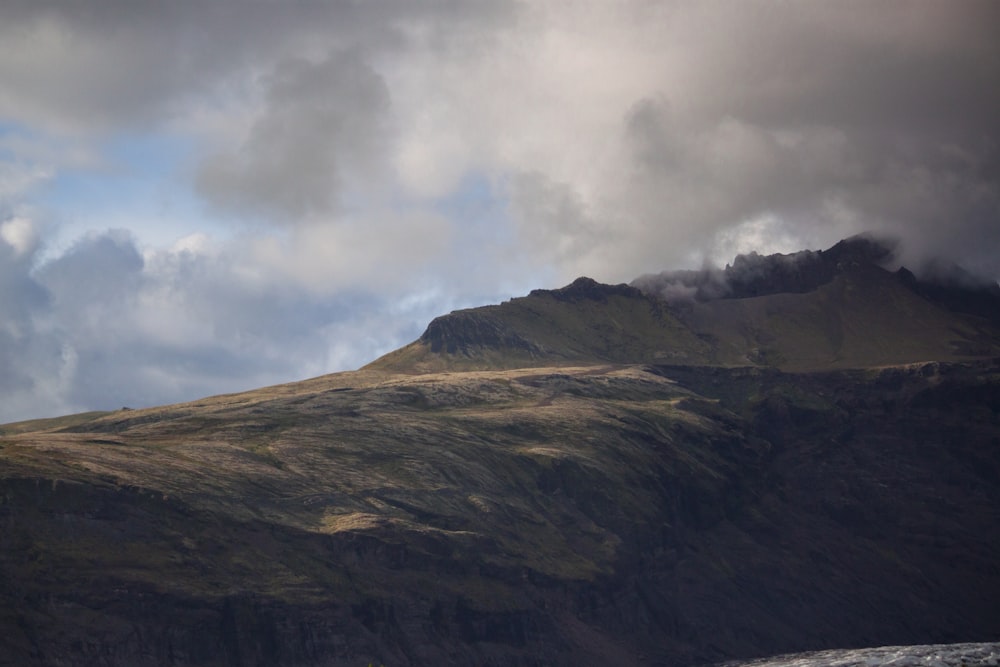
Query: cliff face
{"points": [[564, 516]]}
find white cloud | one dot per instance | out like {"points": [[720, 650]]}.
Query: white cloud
{"points": [[765, 235], [104, 325], [20, 234]]}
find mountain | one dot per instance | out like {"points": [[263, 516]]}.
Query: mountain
{"points": [[595, 475], [837, 308]]}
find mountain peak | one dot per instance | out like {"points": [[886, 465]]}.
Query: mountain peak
{"points": [[753, 274], [587, 288], [859, 250], [833, 308]]}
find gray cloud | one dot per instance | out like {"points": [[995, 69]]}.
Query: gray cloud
{"points": [[698, 117], [101, 326], [615, 139], [321, 123], [835, 119], [99, 269], [21, 297], [107, 63]]}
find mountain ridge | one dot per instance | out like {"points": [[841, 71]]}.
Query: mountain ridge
{"points": [[725, 317]]}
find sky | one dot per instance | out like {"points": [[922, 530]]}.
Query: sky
{"points": [[206, 197]]}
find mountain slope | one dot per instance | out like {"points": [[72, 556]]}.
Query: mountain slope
{"points": [[861, 318], [617, 515], [812, 310], [659, 488], [583, 322]]}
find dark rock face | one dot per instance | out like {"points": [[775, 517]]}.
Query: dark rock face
{"points": [[981, 300], [666, 515], [859, 250], [464, 332], [467, 332], [755, 275]]}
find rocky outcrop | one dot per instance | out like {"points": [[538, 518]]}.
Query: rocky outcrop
{"points": [[588, 289], [467, 332], [754, 275]]}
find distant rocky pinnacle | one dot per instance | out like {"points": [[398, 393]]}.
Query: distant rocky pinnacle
{"points": [[587, 289], [754, 275]]}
